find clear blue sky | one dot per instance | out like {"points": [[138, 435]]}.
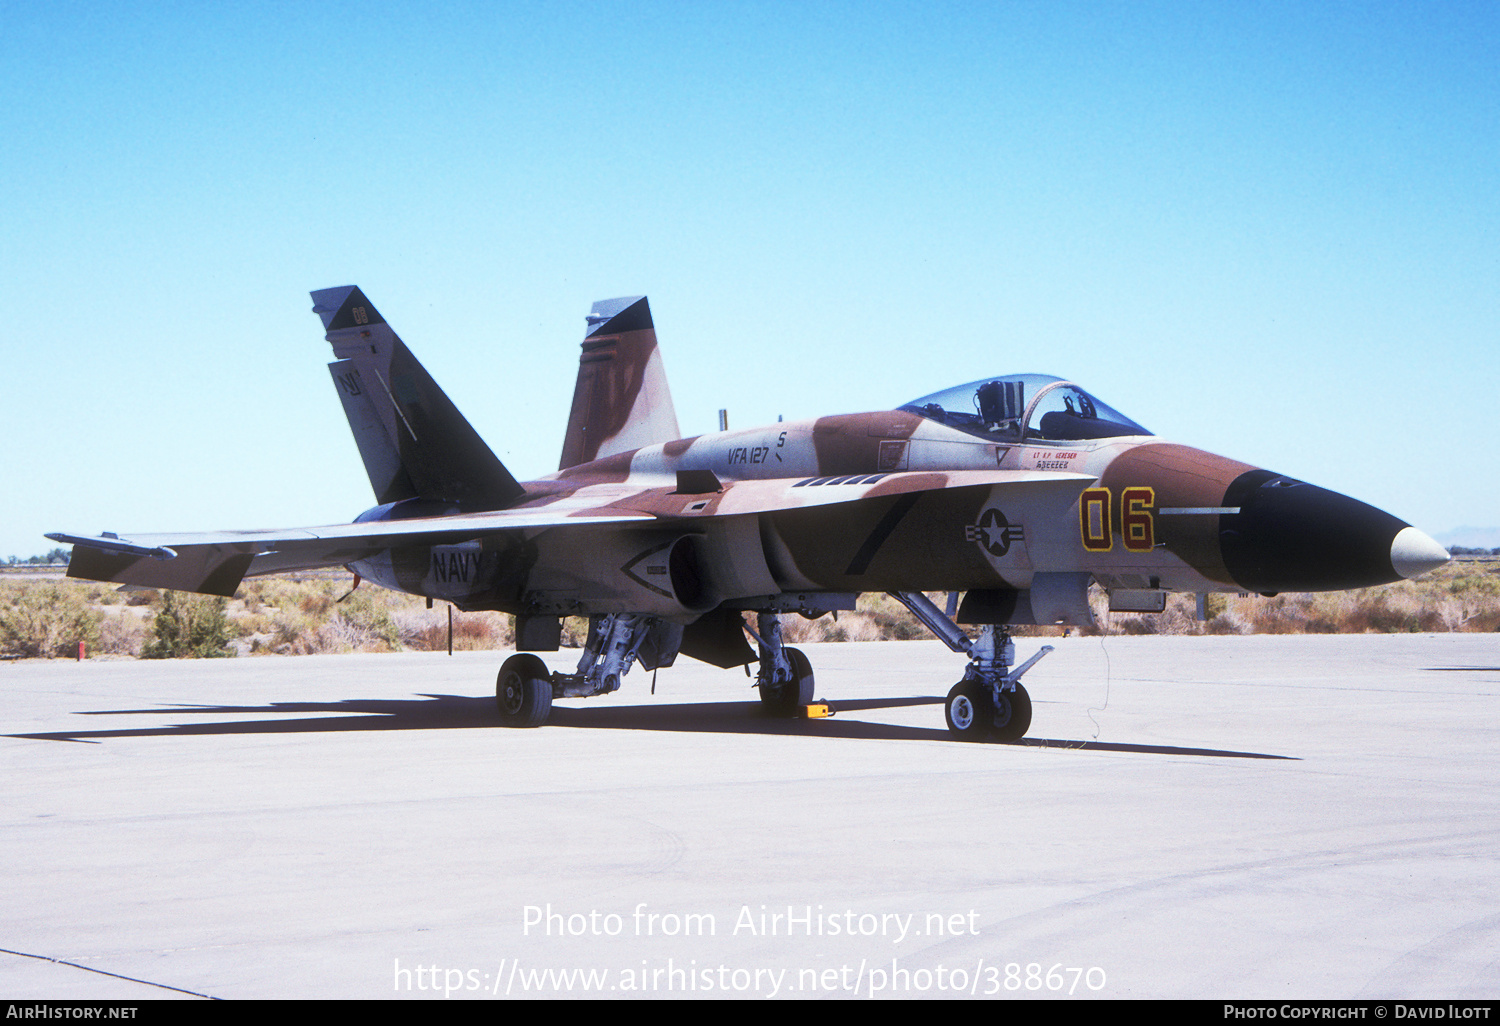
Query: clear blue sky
{"points": [[1271, 230]]}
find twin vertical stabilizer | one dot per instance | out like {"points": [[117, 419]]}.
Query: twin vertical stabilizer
{"points": [[621, 401], [414, 442]]}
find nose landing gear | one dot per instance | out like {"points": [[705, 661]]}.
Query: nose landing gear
{"points": [[989, 704], [975, 714]]}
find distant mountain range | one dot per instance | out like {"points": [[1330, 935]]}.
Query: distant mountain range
{"points": [[1470, 537]]}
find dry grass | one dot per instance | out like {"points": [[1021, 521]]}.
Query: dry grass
{"points": [[878, 618], [1460, 597], [47, 618], [279, 615]]}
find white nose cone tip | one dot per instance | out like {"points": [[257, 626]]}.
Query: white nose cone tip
{"points": [[1413, 553]]}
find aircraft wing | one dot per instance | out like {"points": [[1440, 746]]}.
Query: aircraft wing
{"points": [[214, 563]]}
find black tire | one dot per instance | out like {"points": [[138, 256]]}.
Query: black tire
{"points": [[970, 712], [788, 697], [523, 691], [1013, 717]]}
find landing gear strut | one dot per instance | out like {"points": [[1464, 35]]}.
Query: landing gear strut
{"points": [[614, 641], [786, 677], [525, 688], [989, 703]]}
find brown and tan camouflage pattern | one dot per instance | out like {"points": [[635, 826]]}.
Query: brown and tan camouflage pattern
{"points": [[620, 401], [1181, 477], [805, 506], [638, 520]]}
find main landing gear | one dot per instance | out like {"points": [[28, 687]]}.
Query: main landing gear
{"points": [[989, 704], [525, 688], [786, 677]]}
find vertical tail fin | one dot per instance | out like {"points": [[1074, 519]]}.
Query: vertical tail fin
{"points": [[414, 442], [621, 400]]}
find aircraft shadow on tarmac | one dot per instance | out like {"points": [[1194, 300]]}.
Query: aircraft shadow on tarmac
{"points": [[456, 712]]}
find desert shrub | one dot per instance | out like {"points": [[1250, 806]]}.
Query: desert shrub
{"points": [[46, 618], [1179, 617], [1485, 584], [877, 618], [1227, 622], [575, 631], [101, 595], [249, 595], [316, 603], [481, 631], [798, 630], [287, 628], [248, 623], [121, 635], [341, 634], [277, 592], [365, 619], [891, 620], [190, 626], [427, 630], [1484, 620]]}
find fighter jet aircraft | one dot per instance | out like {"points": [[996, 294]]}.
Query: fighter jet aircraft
{"points": [[1015, 491]]}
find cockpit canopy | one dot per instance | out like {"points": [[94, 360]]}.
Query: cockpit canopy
{"points": [[1024, 406]]}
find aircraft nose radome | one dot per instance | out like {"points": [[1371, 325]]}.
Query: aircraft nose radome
{"points": [[1413, 553], [1293, 536]]}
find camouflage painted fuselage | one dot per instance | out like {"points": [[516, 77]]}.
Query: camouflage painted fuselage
{"points": [[894, 502], [1017, 491]]}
